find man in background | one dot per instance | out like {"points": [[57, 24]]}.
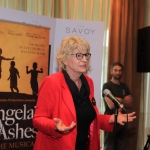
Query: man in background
{"points": [[122, 93]]}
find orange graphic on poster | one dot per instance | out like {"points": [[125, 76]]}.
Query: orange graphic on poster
{"points": [[24, 51]]}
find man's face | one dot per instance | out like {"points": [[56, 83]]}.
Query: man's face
{"points": [[116, 72]]}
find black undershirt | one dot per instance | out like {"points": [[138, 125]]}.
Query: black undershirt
{"points": [[85, 112]]}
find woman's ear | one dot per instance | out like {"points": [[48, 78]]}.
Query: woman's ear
{"points": [[65, 62]]}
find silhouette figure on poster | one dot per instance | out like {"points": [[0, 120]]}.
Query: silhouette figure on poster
{"points": [[14, 73], [34, 75], [3, 58]]}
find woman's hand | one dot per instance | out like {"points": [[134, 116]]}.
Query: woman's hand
{"points": [[122, 118], [60, 126]]}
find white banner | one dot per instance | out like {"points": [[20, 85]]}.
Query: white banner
{"points": [[93, 32]]}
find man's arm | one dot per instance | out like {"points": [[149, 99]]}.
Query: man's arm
{"points": [[126, 101], [106, 99], [109, 102]]}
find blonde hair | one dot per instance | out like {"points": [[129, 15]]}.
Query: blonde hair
{"points": [[67, 45]]}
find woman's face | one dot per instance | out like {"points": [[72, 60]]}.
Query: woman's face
{"points": [[75, 66]]}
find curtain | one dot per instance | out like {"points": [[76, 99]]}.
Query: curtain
{"points": [[144, 119], [126, 17], [40, 7], [91, 10]]}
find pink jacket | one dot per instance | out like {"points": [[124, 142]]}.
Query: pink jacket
{"points": [[55, 101]]}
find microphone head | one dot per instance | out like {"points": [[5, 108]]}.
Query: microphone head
{"points": [[106, 92]]}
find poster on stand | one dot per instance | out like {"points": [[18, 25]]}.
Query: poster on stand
{"points": [[24, 62]]}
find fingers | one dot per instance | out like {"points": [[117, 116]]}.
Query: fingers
{"points": [[56, 120], [122, 123], [131, 117], [67, 129], [131, 114], [73, 124], [61, 127]]}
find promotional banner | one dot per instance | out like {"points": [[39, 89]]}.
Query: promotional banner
{"points": [[93, 32], [24, 62]]}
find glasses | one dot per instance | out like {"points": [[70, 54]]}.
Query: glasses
{"points": [[79, 56]]}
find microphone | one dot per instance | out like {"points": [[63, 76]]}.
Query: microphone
{"points": [[115, 101]]}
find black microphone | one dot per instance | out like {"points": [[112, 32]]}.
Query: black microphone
{"points": [[115, 101]]}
